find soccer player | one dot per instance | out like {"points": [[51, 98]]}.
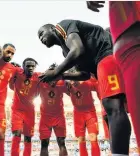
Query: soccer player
{"points": [[25, 90], [85, 115], [125, 30], [7, 70], [89, 48], [52, 115]]}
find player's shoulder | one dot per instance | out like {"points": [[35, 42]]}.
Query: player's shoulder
{"points": [[12, 67], [66, 22], [92, 81], [36, 76], [9, 65]]}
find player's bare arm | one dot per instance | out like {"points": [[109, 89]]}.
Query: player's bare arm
{"points": [[77, 50], [77, 76]]}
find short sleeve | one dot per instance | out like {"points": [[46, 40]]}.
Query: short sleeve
{"points": [[66, 27]]}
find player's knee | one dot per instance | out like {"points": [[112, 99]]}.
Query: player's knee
{"points": [[93, 137], [81, 139], [61, 141], [114, 104], [27, 139], [45, 143], [17, 133], [2, 134]]}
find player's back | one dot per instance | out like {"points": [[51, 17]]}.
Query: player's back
{"points": [[123, 15], [95, 39]]}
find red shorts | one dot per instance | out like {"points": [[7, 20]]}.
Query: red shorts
{"points": [[109, 77], [47, 123], [126, 13], [24, 121], [83, 120], [2, 118]]}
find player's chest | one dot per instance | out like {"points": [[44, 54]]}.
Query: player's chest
{"points": [[26, 86], [80, 93], [51, 92]]}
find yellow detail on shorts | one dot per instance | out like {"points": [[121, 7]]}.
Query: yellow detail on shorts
{"points": [[113, 80]]}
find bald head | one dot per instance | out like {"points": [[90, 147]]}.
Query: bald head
{"points": [[46, 34]]}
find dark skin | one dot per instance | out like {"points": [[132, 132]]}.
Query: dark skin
{"points": [[75, 55], [61, 144], [95, 5], [29, 68]]}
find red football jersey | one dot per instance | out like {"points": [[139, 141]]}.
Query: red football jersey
{"points": [[81, 96], [52, 98], [25, 90], [123, 14], [7, 71]]}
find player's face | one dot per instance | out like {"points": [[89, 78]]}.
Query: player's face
{"points": [[8, 53], [46, 37], [29, 68]]}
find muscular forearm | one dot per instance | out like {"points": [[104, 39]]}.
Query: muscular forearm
{"points": [[68, 63], [78, 76]]}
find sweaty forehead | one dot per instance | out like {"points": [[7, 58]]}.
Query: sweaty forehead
{"points": [[30, 63]]}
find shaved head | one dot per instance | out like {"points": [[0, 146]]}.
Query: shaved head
{"points": [[45, 34]]}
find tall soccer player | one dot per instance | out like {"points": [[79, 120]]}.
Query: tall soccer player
{"points": [[85, 115], [52, 115], [25, 90], [125, 30], [89, 48], [7, 70]]}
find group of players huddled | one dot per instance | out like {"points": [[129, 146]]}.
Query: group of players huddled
{"points": [[89, 65], [25, 83]]}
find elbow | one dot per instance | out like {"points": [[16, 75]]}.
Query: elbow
{"points": [[88, 76], [78, 53]]}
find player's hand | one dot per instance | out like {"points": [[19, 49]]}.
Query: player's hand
{"points": [[49, 76], [15, 64], [95, 5]]}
